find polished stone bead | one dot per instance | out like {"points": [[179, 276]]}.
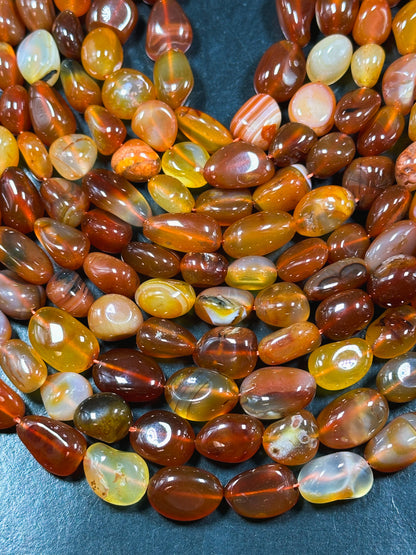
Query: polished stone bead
{"points": [[404, 27], [73, 156], [396, 379], [18, 298], [282, 305], [80, 89], [9, 71], [367, 64], [330, 154], [349, 240], [399, 83], [185, 161], [20, 202], [226, 206], [313, 105], [110, 274], [348, 273], [155, 123], [38, 57], [12, 407], [373, 22], [302, 260], [22, 365], [382, 133], [35, 155], [105, 231], [288, 343], [204, 269], [168, 28], [393, 282], [173, 78], [163, 338], [398, 238], [63, 392], [135, 161], [295, 19], [355, 110], [329, 59], [284, 190], [202, 129], [119, 15], [151, 260], [165, 298], [68, 34], [291, 143], [9, 149], [67, 290], [252, 273], [14, 109], [78, 7], [336, 16], [406, 161], [170, 194], [101, 53], [64, 200], [223, 306], [12, 29], [114, 317], [36, 14], [5, 328], [393, 333]]}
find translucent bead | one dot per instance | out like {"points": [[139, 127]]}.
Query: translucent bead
{"points": [[168, 28], [103, 416], [118, 477], [366, 65], [394, 447], [14, 109], [322, 210], [18, 298], [295, 20], [73, 156], [202, 129], [273, 392], [62, 341], [412, 124], [406, 159], [329, 59], [105, 231], [64, 200], [291, 143], [114, 317], [349, 240], [292, 440], [398, 238], [263, 492], [133, 376], [151, 260], [9, 149], [136, 161], [12, 29], [404, 28], [356, 109], [35, 155], [352, 418], [9, 71], [336, 17], [22, 365], [165, 298], [302, 260], [281, 70], [225, 206], [204, 269], [68, 34], [79, 88], [313, 105], [62, 393], [251, 273], [200, 394], [38, 58], [120, 16], [55, 445], [5, 328], [289, 343], [334, 477], [330, 154], [155, 123], [373, 22], [38, 14], [282, 305], [258, 234], [231, 350], [186, 162], [77, 7], [162, 338], [184, 493], [173, 78], [284, 190], [110, 274], [399, 83], [68, 291], [101, 53], [382, 133], [396, 379], [230, 438], [393, 283], [170, 194], [223, 306], [12, 406], [393, 333]]}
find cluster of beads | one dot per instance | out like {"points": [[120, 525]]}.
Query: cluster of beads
{"points": [[257, 238]]}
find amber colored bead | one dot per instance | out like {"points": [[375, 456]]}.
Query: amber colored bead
{"points": [[80, 89], [225, 206], [163, 338], [393, 282], [66, 245], [113, 193], [258, 234], [184, 493], [64, 200], [398, 238], [9, 72], [390, 206], [101, 53], [281, 305], [50, 115], [393, 333], [21, 204], [366, 177], [302, 260], [78, 7], [173, 78], [105, 231], [252, 273], [289, 343], [133, 376], [405, 162], [399, 83], [314, 106], [170, 194], [202, 129], [356, 109], [12, 29], [293, 440], [396, 379], [348, 273], [124, 90], [151, 260], [103, 416], [382, 132], [343, 314], [23, 256], [35, 155], [367, 64], [73, 156], [110, 274], [114, 317], [295, 19], [38, 14], [165, 298], [155, 123], [204, 269], [68, 34], [5, 328], [184, 232], [232, 350], [14, 109], [163, 438], [67, 290], [230, 438], [136, 161], [12, 407], [352, 418], [348, 241], [281, 70], [283, 191], [336, 17], [107, 130], [330, 154], [18, 298], [55, 445], [373, 22], [222, 306], [22, 365], [404, 28], [119, 15], [292, 143], [9, 149], [185, 161], [168, 28]]}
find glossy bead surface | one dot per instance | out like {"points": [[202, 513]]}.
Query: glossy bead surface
{"points": [[393, 333], [9, 148], [291, 143], [373, 22], [14, 109], [62, 341], [135, 161], [225, 205], [155, 123], [406, 160], [281, 305], [18, 298], [151, 260], [251, 273], [382, 133], [313, 105], [62, 393], [64, 200], [118, 477], [163, 338], [349, 273], [35, 155], [12, 406], [302, 260], [185, 161], [38, 57], [404, 25], [9, 71], [5, 328], [38, 14], [349, 240], [68, 34], [330, 154], [399, 83], [101, 53], [168, 28], [223, 306], [334, 477], [110, 274], [114, 317], [204, 269], [393, 283], [366, 65], [120, 16], [289, 343], [22, 365], [329, 59], [78, 7], [295, 20], [12, 29], [398, 238], [80, 89], [200, 394], [165, 298], [21, 204], [105, 231], [366, 177], [202, 128], [336, 17], [73, 156], [356, 109], [396, 379], [173, 78], [67, 290], [284, 190]]}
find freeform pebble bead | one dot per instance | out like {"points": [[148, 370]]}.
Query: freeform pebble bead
{"points": [[406, 159], [9, 148], [223, 306], [330, 154], [111, 274], [35, 155], [313, 105], [393, 333], [155, 123], [204, 269], [397, 238], [281, 305], [101, 53], [22, 365], [151, 260], [14, 109], [185, 161], [107, 130], [329, 59], [390, 206], [62, 392], [226, 206], [355, 109], [73, 156], [38, 57], [136, 161], [5, 328], [403, 28], [382, 133], [349, 240], [291, 143], [12, 406], [9, 72], [202, 129], [78, 7], [68, 34], [12, 29], [114, 317], [18, 298], [295, 20], [173, 78], [284, 190], [163, 338], [396, 379], [106, 231], [336, 17], [393, 282], [80, 88], [165, 298], [398, 83], [302, 260], [64, 201], [366, 65], [121, 17], [251, 273], [168, 28]]}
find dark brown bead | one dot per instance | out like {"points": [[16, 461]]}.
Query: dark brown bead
{"points": [[295, 19], [330, 154], [349, 273], [389, 207], [204, 269], [18, 298], [151, 260], [348, 241], [382, 132], [12, 406], [336, 16], [68, 34], [292, 143], [163, 338], [14, 109], [105, 231], [393, 282], [36, 14], [119, 15], [355, 110]]}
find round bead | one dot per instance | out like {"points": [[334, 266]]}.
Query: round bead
{"points": [[313, 105], [62, 393], [114, 317]]}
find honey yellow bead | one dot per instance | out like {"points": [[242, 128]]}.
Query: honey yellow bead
{"points": [[9, 150], [282, 304], [366, 65], [289, 343], [101, 53], [155, 123], [202, 128], [61, 340], [412, 124], [186, 162], [404, 28], [340, 364], [73, 156], [393, 333], [22, 365], [35, 155], [251, 273], [170, 194], [165, 298], [173, 78]]}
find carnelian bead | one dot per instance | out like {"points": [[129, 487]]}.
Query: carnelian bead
{"points": [[35, 155], [336, 17], [73, 156], [165, 298], [367, 64], [225, 205], [12, 29], [393, 333], [295, 19], [9, 72], [184, 493], [38, 14], [330, 154], [202, 128], [390, 206], [204, 269], [67, 290], [110, 274], [101, 53], [302, 260], [349, 240], [119, 15], [398, 238], [64, 200], [155, 123], [136, 161], [12, 407], [107, 130], [114, 317], [352, 418], [399, 83], [289, 343], [396, 379], [252, 273], [105, 231], [404, 28], [373, 22], [77, 7], [173, 78], [405, 161], [314, 106], [55, 445], [382, 132], [168, 28], [282, 305], [22, 365], [222, 306], [163, 338], [18, 298], [291, 143], [9, 149], [79, 88], [393, 282], [170, 194], [14, 109], [151, 260], [135, 377], [284, 190], [185, 161], [355, 110], [230, 438], [163, 438], [68, 34], [5, 328], [412, 123]]}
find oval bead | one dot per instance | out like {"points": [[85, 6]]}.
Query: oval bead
{"points": [[291, 143], [38, 57], [226, 206], [404, 28], [5, 328], [18, 298], [151, 260], [382, 133], [107, 130], [155, 123], [202, 129], [393, 283], [168, 28], [313, 105], [185, 161], [9, 72], [367, 64], [393, 333], [373, 22], [173, 78], [35, 155], [396, 379], [64, 200], [12, 407], [121, 17], [295, 20], [200, 394], [330, 155], [163, 338], [14, 109], [114, 317], [68, 34], [349, 240], [12, 29], [105, 231], [101, 53], [9, 149], [329, 59], [222, 306], [355, 110], [399, 83], [80, 89], [165, 298], [110, 274], [284, 190], [251, 273], [62, 393], [135, 161], [282, 305], [67, 290], [336, 17], [302, 260], [118, 477], [204, 269], [398, 238], [22, 365], [390, 206], [335, 477], [349, 273], [170, 194]]}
